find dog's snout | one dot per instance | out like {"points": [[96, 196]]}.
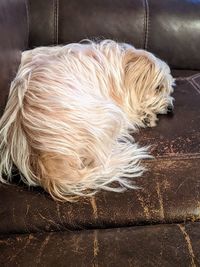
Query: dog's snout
{"points": [[170, 108]]}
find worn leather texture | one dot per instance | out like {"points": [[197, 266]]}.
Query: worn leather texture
{"points": [[159, 245], [157, 225], [170, 189], [170, 29], [13, 39]]}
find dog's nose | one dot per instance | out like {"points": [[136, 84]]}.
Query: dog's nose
{"points": [[170, 108]]}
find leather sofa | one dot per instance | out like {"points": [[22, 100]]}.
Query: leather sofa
{"points": [[157, 225]]}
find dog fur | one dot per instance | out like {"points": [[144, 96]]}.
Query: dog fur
{"points": [[70, 112]]}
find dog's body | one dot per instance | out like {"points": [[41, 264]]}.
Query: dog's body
{"points": [[69, 111]]}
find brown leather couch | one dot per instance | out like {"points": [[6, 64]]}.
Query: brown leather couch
{"points": [[157, 225]]}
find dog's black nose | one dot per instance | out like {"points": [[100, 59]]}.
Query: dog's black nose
{"points": [[170, 108]]}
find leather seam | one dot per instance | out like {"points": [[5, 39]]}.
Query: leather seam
{"points": [[28, 21], [147, 22], [194, 76], [58, 20], [54, 21], [53, 17], [115, 227], [194, 85], [144, 23], [188, 78], [55, 4], [191, 81]]}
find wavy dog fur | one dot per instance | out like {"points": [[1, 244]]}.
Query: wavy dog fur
{"points": [[69, 113]]}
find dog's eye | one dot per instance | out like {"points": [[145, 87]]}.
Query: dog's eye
{"points": [[158, 88]]}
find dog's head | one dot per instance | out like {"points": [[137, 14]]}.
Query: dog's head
{"points": [[150, 84]]}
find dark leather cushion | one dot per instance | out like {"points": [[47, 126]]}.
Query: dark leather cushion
{"points": [[158, 245], [169, 189], [13, 39], [169, 29]]}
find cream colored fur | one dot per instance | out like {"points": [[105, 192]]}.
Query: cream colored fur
{"points": [[70, 111]]}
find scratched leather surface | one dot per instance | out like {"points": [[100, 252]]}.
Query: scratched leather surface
{"points": [[155, 226], [158, 245], [170, 189]]}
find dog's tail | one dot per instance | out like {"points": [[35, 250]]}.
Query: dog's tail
{"points": [[68, 177], [14, 146]]}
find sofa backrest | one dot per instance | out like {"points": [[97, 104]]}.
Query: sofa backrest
{"points": [[13, 39], [170, 29]]}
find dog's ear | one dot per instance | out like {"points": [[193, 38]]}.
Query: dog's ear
{"points": [[130, 56], [138, 68], [130, 63], [136, 58]]}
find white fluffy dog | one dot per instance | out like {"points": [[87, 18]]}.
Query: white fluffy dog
{"points": [[66, 123]]}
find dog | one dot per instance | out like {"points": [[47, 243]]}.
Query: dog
{"points": [[71, 113]]}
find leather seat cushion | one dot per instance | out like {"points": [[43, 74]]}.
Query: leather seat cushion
{"points": [[170, 189]]}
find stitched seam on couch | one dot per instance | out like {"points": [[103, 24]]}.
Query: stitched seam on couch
{"points": [[146, 24], [56, 8], [194, 76], [195, 85], [191, 81], [28, 21]]}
